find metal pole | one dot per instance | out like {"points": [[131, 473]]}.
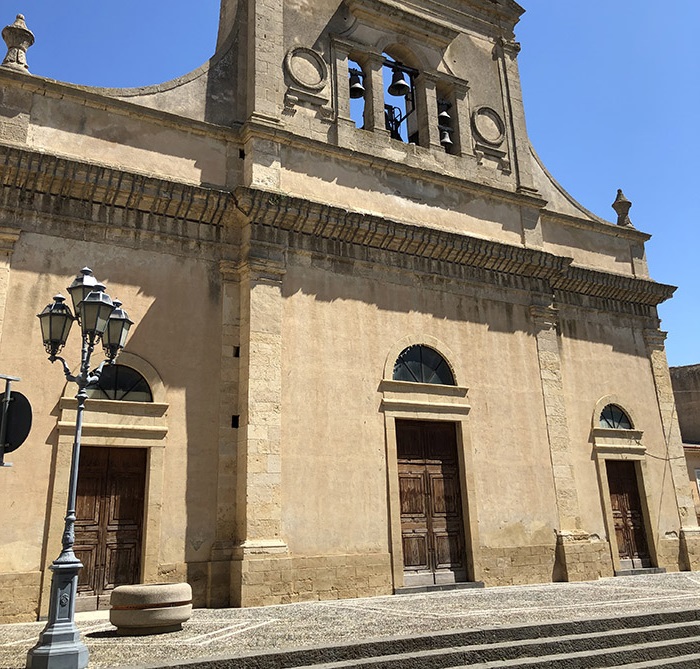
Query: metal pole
{"points": [[3, 421], [59, 645]]}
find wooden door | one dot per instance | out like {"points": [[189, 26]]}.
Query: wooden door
{"points": [[432, 526], [627, 514], [109, 518]]}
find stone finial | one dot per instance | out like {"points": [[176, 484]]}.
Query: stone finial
{"points": [[18, 39], [622, 208]]}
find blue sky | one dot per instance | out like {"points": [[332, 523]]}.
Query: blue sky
{"points": [[611, 90]]}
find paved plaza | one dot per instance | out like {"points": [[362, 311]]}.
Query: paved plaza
{"points": [[230, 632]]}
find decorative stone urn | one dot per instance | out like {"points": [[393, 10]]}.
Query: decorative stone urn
{"points": [[150, 608], [18, 39]]}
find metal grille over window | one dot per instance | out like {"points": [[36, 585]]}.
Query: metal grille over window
{"points": [[422, 364], [122, 383], [614, 417]]}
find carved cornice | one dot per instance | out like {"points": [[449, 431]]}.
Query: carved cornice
{"points": [[320, 221], [445, 21], [56, 189], [298, 215], [402, 18], [33, 172], [589, 302], [655, 339], [612, 286]]}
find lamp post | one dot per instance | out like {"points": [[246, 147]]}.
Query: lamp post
{"points": [[59, 645]]}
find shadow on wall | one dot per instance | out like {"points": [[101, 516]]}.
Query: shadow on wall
{"points": [[329, 280]]}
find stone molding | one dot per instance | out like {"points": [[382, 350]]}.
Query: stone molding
{"points": [[305, 217], [436, 23], [134, 424], [590, 302], [293, 214], [59, 187], [8, 239], [613, 286], [616, 444], [544, 317], [400, 18], [35, 172], [655, 339]]}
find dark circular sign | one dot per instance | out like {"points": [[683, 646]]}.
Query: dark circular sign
{"points": [[19, 421]]}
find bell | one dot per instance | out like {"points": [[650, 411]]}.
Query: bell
{"points": [[444, 117], [399, 87], [357, 90], [445, 138]]}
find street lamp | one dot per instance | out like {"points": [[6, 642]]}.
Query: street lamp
{"points": [[59, 645]]}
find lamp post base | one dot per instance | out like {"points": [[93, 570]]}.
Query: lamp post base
{"points": [[59, 645]]}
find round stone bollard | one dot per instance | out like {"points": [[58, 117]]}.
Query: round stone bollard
{"points": [[150, 608]]}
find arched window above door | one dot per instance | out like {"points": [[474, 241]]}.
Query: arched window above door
{"points": [[122, 383], [612, 416], [422, 364]]}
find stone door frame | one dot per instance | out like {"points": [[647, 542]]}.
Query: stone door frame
{"points": [[402, 400], [620, 444], [111, 423]]}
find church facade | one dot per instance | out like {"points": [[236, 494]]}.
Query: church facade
{"points": [[376, 345]]}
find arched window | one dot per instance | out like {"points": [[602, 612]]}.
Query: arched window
{"points": [[400, 114], [356, 83], [119, 382], [612, 416], [422, 364]]}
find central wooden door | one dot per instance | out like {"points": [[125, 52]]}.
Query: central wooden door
{"points": [[432, 526], [108, 527], [627, 515]]}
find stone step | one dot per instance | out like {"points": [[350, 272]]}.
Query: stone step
{"points": [[555, 652], [598, 658], [668, 663], [612, 641]]}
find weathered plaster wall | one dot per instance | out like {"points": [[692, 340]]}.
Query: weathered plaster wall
{"points": [[174, 303], [605, 355], [335, 348]]}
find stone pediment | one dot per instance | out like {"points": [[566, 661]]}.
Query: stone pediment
{"points": [[437, 23]]}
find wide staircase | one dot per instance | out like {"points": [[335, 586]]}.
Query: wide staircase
{"points": [[669, 640]]}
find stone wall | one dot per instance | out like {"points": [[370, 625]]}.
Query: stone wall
{"points": [[686, 391], [517, 565], [19, 595], [282, 580]]}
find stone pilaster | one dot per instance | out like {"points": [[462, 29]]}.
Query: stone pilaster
{"points": [[507, 53], [219, 568], [577, 553], [461, 121], [372, 64], [545, 320], [689, 531], [265, 57], [258, 467], [341, 56], [8, 239], [426, 108]]}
